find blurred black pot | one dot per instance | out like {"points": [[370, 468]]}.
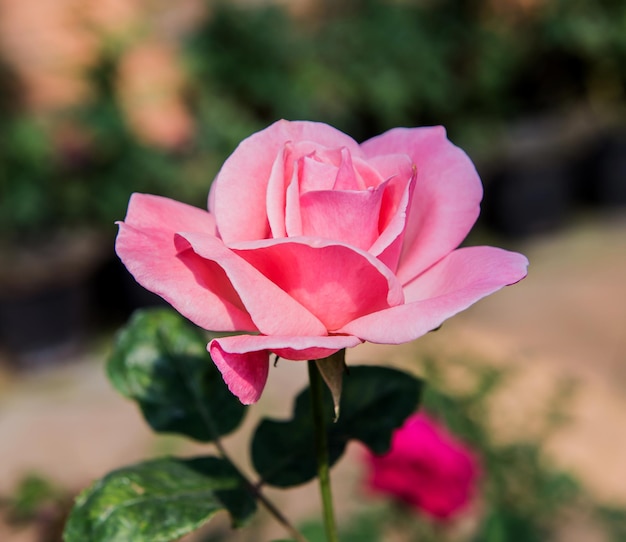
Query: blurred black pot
{"points": [[44, 296], [602, 179]]}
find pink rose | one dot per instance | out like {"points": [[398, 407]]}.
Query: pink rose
{"points": [[426, 468], [314, 243]]}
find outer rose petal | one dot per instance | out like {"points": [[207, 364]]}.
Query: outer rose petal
{"points": [[145, 244], [148, 211], [447, 195], [272, 310], [238, 194], [456, 282], [245, 373], [243, 360], [335, 282]]}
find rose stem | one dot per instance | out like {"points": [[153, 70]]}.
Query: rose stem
{"points": [[321, 448]]}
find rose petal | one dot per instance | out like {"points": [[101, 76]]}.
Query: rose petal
{"points": [[401, 175], [336, 282], [346, 178], [244, 373], [320, 167], [148, 211], [145, 244], [470, 267], [300, 162], [447, 195], [318, 201], [276, 197], [398, 171], [272, 310], [293, 219], [350, 216], [239, 191], [367, 175], [243, 359], [456, 282]]}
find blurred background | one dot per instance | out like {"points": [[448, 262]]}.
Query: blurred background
{"points": [[99, 99]]}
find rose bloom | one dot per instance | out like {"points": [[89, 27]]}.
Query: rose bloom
{"points": [[313, 243], [426, 468]]}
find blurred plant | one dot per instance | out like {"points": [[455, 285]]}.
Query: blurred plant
{"points": [[72, 150], [36, 500], [364, 67], [30, 495], [254, 57], [522, 496], [425, 469], [374, 64]]}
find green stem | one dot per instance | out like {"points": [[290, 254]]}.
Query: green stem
{"points": [[321, 448]]}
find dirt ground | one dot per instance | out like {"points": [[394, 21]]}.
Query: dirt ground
{"points": [[567, 320]]}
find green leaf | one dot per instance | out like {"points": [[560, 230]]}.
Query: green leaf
{"points": [[375, 401], [159, 501], [160, 361]]}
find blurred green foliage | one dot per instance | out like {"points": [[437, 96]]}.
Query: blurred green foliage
{"points": [[525, 497], [522, 496], [363, 66], [376, 64], [32, 493]]}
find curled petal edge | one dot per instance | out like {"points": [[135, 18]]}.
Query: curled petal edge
{"points": [[441, 299], [243, 360]]}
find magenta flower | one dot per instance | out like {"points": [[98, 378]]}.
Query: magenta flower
{"points": [[313, 243], [426, 468]]}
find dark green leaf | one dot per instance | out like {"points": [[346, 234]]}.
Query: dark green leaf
{"points": [[375, 401], [160, 361], [158, 501]]}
